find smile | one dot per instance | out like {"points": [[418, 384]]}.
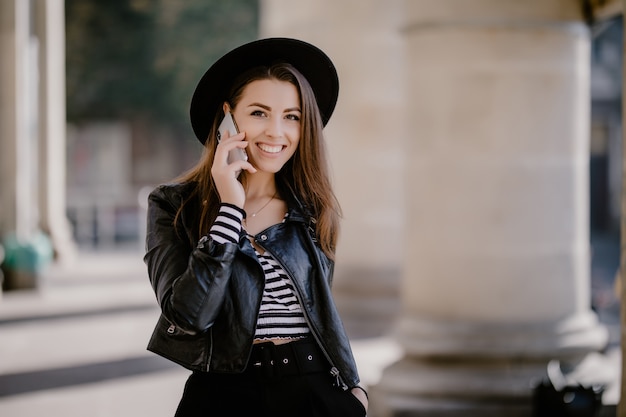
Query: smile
{"points": [[269, 148]]}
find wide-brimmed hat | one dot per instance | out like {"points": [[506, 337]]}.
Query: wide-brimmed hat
{"points": [[216, 82]]}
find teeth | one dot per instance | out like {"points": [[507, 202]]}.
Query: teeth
{"points": [[270, 149]]}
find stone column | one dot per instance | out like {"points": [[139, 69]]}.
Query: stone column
{"points": [[50, 30], [365, 138], [14, 139], [496, 278]]}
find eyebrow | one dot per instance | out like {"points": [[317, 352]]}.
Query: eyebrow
{"points": [[263, 106]]}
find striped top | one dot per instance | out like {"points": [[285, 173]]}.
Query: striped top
{"points": [[281, 315]]}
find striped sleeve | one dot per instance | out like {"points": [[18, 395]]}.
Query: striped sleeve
{"points": [[227, 225]]}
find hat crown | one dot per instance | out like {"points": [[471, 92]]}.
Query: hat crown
{"points": [[310, 61]]}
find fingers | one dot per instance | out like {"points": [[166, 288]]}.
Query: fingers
{"points": [[229, 142], [226, 174], [228, 137], [228, 158]]}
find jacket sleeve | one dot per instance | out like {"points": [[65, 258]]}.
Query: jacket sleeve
{"points": [[190, 282]]}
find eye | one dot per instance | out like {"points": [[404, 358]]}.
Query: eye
{"points": [[258, 113], [293, 117]]}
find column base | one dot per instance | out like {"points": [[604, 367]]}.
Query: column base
{"points": [[63, 245], [383, 404], [478, 369], [570, 338]]}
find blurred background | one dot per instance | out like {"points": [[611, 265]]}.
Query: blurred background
{"points": [[461, 130], [131, 66]]}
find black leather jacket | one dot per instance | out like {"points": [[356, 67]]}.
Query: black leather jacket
{"points": [[210, 293]]}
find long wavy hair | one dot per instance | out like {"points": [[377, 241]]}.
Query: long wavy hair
{"points": [[305, 175]]}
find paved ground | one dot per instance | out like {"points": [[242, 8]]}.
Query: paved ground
{"points": [[76, 347]]}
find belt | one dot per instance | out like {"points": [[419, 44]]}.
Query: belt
{"points": [[294, 358]]}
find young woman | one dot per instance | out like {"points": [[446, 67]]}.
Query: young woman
{"points": [[240, 252]]}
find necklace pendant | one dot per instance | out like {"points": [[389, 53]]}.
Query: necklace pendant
{"points": [[264, 205]]}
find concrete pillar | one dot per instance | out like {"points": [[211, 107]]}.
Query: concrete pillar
{"points": [[365, 137], [50, 30], [496, 278], [15, 142]]}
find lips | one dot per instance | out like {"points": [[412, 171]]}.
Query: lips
{"points": [[270, 148]]}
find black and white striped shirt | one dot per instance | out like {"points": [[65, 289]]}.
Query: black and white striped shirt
{"points": [[281, 315]]}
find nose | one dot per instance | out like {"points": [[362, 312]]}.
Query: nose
{"points": [[274, 127]]}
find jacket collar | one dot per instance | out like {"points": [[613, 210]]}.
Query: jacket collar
{"points": [[297, 210]]}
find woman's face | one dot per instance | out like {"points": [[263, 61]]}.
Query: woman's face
{"points": [[269, 112]]}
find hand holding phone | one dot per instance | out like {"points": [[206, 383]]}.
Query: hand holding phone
{"points": [[228, 125]]}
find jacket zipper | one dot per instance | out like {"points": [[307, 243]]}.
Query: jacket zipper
{"points": [[334, 371], [210, 357]]}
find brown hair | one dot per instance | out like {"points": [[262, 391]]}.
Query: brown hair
{"points": [[305, 175]]}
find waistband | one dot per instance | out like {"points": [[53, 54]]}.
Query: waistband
{"points": [[294, 358]]}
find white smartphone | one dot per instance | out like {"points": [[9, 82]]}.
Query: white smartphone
{"points": [[228, 125]]}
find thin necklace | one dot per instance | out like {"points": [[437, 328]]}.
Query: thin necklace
{"points": [[264, 205]]}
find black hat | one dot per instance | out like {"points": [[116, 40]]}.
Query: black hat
{"points": [[214, 85]]}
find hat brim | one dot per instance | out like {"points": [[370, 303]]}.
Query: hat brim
{"points": [[214, 85]]}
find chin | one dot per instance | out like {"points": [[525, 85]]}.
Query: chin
{"points": [[270, 168]]}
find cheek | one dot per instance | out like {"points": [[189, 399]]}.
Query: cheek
{"points": [[294, 134], [295, 144], [249, 127]]}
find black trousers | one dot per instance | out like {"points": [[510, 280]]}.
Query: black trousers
{"points": [[260, 391]]}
